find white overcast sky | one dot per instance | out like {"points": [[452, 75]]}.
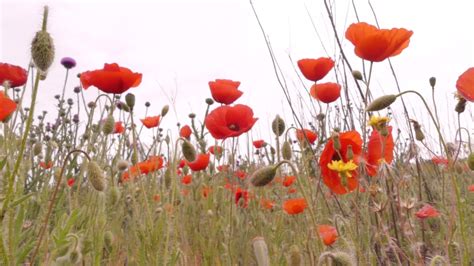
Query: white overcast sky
{"points": [[181, 45]]}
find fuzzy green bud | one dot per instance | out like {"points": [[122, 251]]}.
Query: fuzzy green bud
{"points": [[95, 176], [286, 150], [263, 176], [470, 161], [357, 75], [113, 195], [108, 240], [295, 258], [260, 250], [122, 165], [349, 152], [130, 100], [165, 110], [37, 148], [381, 103], [189, 152], [109, 125], [278, 126], [336, 141], [42, 46]]}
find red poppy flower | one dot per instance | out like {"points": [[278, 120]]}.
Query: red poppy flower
{"points": [[7, 107], [376, 45], [223, 168], [185, 192], [240, 174], [15, 75], [200, 163], [292, 190], [465, 84], [151, 121], [295, 206], [289, 180], [215, 149], [119, 128], [225, 91], [187, 179], [70, 182], [331, 178], [315, 69], [46, 165], [185, 132], [326, 92], [470, 188], [439, 160], [377, 145], [112, 79], [267, 204], [230, 121], [156, 198], [309, 134], [427, 211], [152, 164], [244, 195], [328, 234], [258, 143], [206, 191]]}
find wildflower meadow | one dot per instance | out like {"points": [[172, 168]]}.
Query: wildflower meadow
{"points": [[96, 182]]}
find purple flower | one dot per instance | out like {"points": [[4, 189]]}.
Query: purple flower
{"points": [[68, 62]]}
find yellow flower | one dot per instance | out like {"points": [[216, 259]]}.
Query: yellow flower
{"points": [[378, 121], [344, 169]]}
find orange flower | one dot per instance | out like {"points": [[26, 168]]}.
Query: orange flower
{"points": [[312, 136], [46, 165], [377, 144], [315, 69], [206, 191], [154, 163], [230, 121], [288, 181], [328, 234], [156, 197], [7, 107], [267, 204], [331, 178], [151, 121], [112, 79], [185, 132], [295, 206], [15, 75], [200, 163], [119, 128], [326, 92], [225, 91], [376, 45], [465, 84], [258, 143], [427, 211], [187, 179]]}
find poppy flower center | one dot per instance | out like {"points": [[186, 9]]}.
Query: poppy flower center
{"points": [[234, 127], [336, 157]]}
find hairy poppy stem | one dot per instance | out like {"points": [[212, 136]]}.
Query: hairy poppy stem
{"points": [[53, 200]]}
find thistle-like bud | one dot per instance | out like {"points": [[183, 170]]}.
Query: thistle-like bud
{"points": [[286, 150], [189, 152], [109, 125], [263, 176], [165, 110], [260, 250], [278, 126], [295, 258], [461, 105], [357, 75], [42, 46], [381, 103], [470, 161], [130, 100], [37, 148], [95, 176], [432, 82]]}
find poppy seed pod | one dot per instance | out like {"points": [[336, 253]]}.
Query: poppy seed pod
{"points": [[260, 250], [357, 75], [278, 126], [95, 176], [286, 150], [461, 105], [432, 82], [189, 152], [381, 103], [263, 176], [209, 101], [165, 110], [130, 100], [42, 46], [470, 161], [109, 125]]}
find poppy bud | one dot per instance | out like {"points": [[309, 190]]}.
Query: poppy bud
{"points": [[96, 176], [418, 133], [130, 100], [336, 142], [167, 177], [122, 165], [57, 172], [165, 110], [432, 82], [295, 256], [37, 148], [42, 46], [192, 115], [209, 101], [357, 75], [263, 176], [278, 126], [461, 105], [113, 195], [286, 150], [109, 125], [134, 158], [349, 153], [108, 240], [260, 250], [470, 161], [74, 256], [381, 103], [189, 152], [123, 106]]}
